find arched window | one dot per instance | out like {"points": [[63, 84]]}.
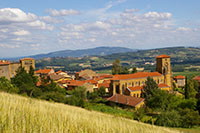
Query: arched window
{"points": [[123, 89], [139, 83], [137, 95], [134, 95], [135, 83]]}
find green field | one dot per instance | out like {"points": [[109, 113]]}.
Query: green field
{"points": [[188, 74], [20, 114]]}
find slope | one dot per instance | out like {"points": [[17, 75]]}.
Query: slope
{"points": [[20, 114]]}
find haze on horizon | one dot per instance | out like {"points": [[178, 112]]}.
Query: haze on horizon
{"points": [[34, 27]]}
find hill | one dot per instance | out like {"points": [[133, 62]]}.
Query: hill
{"points": [[20, 114], [85, 52], [180, 56]]}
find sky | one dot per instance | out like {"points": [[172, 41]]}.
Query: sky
{"points": [[42, 26]]}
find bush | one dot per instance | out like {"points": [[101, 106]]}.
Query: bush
{"points": [[169, 118], [6, 86]]}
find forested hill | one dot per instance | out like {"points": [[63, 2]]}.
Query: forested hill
{"points": [[99, 51], [179, 56]]}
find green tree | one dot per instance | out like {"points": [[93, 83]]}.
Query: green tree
{"points": [[191, 89], [134, 70], [189, 118], [116, 67], [25, 83], [149, 88], [32, 74], [169, 118], [6, 86], [124, 70], [77, 96], [101, 91]]}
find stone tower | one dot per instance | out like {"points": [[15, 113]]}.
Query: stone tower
{"points": [[27, 62], [163, 66]]}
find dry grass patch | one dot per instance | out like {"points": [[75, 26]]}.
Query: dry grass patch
{"points": [[19, 114]]}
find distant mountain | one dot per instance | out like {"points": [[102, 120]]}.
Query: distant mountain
{"points": [[85, 52]]}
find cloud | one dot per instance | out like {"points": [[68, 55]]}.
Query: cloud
{"points": [[21, 33], [49, 19], [62, 12], [15, 15]]}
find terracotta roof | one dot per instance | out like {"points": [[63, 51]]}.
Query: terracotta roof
{"points": [[75, 83], [43, 71], [136, 88], [163, 56], [136, 75], [4, 63], [63, 81], [92, 81], [59, 72], [106, 84], [163, 85], [126, 100], [179, 77], [197, 78], [26, 59]]}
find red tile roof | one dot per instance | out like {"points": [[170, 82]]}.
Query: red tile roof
{"points": [[75, 83], [43, 71], [179, 77], [126, 100], [59, 72], [136, 88], [197, 78], [163, 85], [136, 75], [163, 56], [106, 84], [26, 59], [4, 63]]}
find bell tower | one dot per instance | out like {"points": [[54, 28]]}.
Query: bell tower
{"points": [[163, 66]]}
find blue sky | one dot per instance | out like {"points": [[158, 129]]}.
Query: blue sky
{"points": [[41, 26]]}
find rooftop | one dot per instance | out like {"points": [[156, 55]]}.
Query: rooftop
{"points": [[126, 100], [26, 59], [43, 71], [179, 77], [4, 62], [136, 75], [163, 56]]}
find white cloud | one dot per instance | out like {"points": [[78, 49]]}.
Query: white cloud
{"points": [[50, 19], [21, 33], [15, 15], [62, 12]]}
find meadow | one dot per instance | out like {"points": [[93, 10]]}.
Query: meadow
{"points": [[21, 114]]}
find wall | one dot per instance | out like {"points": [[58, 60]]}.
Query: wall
{"points": [[5, 71]]}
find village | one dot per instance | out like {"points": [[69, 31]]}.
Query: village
{"points": [[125, 89]]}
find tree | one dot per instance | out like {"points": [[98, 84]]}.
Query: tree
{"points": [[32, 74], [189, 118], [191, 89], [6, 86], [116, 67], [169, 118], [124, 70], [77, 96], [101, 91], [149, 87], [25, 83], [134, 70]]}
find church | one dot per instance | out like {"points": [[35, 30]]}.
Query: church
{"points": [[132, 84]]}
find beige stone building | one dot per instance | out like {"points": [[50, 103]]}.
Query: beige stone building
{"points": [[8, 69], [131, 84]]}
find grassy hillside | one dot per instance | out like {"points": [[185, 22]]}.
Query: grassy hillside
{"points": [[20, 114]]}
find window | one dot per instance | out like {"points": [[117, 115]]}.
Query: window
{"points": [[132, 83], [135, 83]]}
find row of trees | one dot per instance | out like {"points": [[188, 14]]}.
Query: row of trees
{"points": [[118, 69]]}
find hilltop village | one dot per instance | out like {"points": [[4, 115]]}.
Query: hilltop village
{"points": [[123, 89]]}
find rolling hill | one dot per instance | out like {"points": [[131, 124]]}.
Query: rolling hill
{"points": [[21, 114], [85, 52]]}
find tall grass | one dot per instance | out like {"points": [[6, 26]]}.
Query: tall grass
{"points": [[25, 115]]}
